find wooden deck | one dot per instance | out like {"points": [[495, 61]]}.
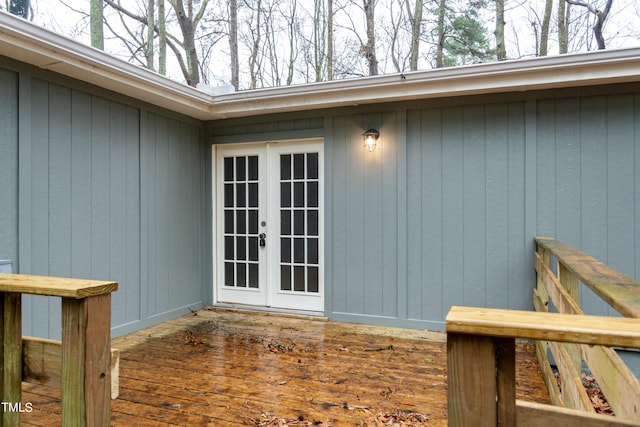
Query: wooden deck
{"points": [[249, 368]]}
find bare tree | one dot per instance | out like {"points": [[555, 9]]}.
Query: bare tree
{"points": [[441, 33], [501, 49], [255, 39], [415, 20], [270, 51], [600, 15], [96, 19], [399, 22], [162, 39], [544, 30], [151, 19], [368, 50], [563, 27], [329, 39], [290, 16], [233, 43], [320, 38], [188, 19]]}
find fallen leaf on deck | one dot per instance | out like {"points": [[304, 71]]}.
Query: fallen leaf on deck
{"points": [[396, 418], [267, 420], [190, 338]]}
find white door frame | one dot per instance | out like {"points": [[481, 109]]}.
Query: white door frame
{"points": [[269, 183]]}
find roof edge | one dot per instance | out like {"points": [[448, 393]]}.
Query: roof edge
{"points": [[29, 43], [570, 70]]}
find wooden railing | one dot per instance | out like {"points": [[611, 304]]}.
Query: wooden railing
{"points": [[42, 363], [81, 363], [560, 270], [481, 365], [481, 348]]}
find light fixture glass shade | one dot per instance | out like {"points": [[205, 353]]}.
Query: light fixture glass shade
{"points": [[370, 139]]}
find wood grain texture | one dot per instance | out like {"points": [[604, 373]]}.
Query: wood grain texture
{"points": [[97, 380], [561, 298], [12, 360], [618, 290], [73, 361], [548, 374], [600, 330], [506, 381], [530, 414], [55, 286], [42, 363], [333, 374], [472, 382], [617, 382], [571, 389], [86, 362]]}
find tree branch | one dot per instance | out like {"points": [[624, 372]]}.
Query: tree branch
{"points": [[116, 6], [583, 4]]}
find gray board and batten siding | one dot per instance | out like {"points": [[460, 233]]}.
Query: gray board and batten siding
{"points": [[99, 185], [95, 185], [445, 210]]}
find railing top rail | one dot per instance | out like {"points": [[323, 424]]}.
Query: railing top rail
{"points": [[55, 286], [597, 330], [617, 289]]}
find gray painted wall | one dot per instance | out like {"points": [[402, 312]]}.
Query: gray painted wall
{"points": [[104, 188], [588, 179], [8, 165], [467, 243], [445, 210], [435, 217]]}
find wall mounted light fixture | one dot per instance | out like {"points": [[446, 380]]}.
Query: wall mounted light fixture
{"points": [[370, 139]]}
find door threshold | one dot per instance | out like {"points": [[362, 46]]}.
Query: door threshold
{"points": [[288, 311]]}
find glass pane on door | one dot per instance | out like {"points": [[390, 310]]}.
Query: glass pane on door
{"points": [[299, 213], [240, 230]]}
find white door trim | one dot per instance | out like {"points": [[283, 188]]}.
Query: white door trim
{"points": [[269, 183], [248, 295]]}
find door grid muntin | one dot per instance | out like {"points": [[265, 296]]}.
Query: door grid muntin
{"points": [[240, 229], [299, 223]]}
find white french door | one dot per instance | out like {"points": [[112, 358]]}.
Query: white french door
{"points": [[269, 225]]}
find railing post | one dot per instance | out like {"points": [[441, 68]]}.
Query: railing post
{"points": [[506, 381], [86, 361], [481, 380], [11, 379], [86, 353], [543, 294]]}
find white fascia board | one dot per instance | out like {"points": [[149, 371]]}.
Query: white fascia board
{"points": [[572, 70], [28, 43], [44, 49]]}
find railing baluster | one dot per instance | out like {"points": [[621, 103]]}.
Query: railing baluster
{"points": [[570, 283]]}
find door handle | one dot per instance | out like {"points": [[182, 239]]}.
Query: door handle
{"points": [[262, 238]]}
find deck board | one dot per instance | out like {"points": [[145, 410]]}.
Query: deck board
{"points": [[251, 366]]}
